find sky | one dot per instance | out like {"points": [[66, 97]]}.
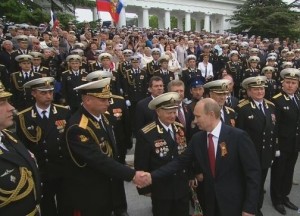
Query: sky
{"points": [[87, 15]]}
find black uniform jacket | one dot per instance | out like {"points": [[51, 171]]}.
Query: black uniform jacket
{"points": [[44, 139], [260, 128], [18, 171], [155, 148], [22, 98], [288, 121], [92, 166]]}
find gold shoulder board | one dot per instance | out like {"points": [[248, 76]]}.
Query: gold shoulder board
{"points": [[117, 96], [269, 102], [229, 108], [83, 122], [10, 136], [149, 127], [278, 95], [24, 111], [65, 72], [243, 103], [178, 124], [61, 106]]}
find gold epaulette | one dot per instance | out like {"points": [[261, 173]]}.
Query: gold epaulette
{"points": [[269, 102], [45, 68], [10, 136], [240, 101], [149, 127], [61, 106], [229, 108], [243, 103], [83, 122], [24, 111], [156, 71], [2, 65], [65, 71], [117, 96], [178, 124], [278, 95]]}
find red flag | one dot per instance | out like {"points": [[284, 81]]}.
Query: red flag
{"points": [[114, 7]]}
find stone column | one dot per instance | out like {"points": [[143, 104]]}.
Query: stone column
{"points": [[160, 20], [167, 19], [187, 21], [122, 18], [140, 18], [226, 24], [179, 23], [145, 17], [95, 14], [207, 22], [198, 24]]}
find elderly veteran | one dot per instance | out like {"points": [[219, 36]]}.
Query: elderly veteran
{"points": [[158, 143]]}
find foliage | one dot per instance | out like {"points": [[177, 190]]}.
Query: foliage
{"points": [[267, 18], [153, 21]]}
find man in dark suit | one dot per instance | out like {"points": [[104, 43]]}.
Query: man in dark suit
{"points": [[288, 130], [40, 128], [91, 168], [228, 160], [184, 114], [158, 143], [256, 116], [231, 101], [22, 98], [19, 182], [218, 90], [143, 114]]}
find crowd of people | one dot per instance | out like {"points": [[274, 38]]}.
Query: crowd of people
{"points": [[211, 112]]}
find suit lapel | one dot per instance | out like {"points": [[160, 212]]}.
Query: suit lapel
{"points": [[222, 139]]}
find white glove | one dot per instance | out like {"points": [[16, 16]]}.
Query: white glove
{"points": [[121, 91], [128, 103], [277, 153]]}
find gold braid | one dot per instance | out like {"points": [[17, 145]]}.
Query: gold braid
{"points": [[70, 152], [15, 195], [28, 135], [132, 81], [20, 88]]}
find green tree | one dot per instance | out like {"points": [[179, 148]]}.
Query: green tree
{"points": [[174, 22], [153, 21], [267, 18]]}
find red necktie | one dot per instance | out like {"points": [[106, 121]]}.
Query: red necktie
{"points": [[211, 154], [180, 116]]}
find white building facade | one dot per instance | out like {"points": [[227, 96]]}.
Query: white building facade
{"points": [[213, 13]]}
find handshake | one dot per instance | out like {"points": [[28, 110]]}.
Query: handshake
{"points": [[142, 179]]}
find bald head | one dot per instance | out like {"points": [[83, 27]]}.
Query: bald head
{"points": [[207, 114]]}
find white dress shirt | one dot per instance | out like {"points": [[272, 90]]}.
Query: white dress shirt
{"points": [[216, 134], [209, 69]]}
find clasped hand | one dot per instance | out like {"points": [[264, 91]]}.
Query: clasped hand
{"points": [[142, 179]]}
